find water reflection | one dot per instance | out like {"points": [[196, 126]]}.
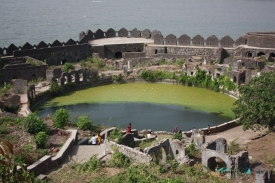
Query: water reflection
{"points": [[141, 115]]}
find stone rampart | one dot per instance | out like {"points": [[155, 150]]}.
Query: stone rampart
{"points": [[48, 162]]}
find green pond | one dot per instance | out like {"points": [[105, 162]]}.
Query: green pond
{"points": [[154, 106]]}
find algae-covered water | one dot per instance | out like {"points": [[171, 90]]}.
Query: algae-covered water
{"points": [[156, 106]]}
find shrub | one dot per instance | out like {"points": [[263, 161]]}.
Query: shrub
{"points": [[119, 160], [41, 139], [68, 67], [84, 123], [55, 88], [92, 165], [192, 150], [60, 118], [177, 136], [33, 124], [116, 135], [117, 77]]}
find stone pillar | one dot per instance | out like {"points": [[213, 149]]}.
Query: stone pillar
{"points": [[76, 77], [262, 175], [62, 80]]}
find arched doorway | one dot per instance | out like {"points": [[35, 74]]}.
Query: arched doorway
{"points": [[118, 55], [216, 164], [260, 54], [63, 61], [271, 57]]}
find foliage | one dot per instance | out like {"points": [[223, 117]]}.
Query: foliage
{"points": [[55, 89], [233, 147], [5, 88], [92, 165], [61, 118], [149, 75], [119, 160], [180, 62], [116, 135], [68, 67], [41, 139], [8, 170], [256, 104], [177, 136], [84, 123], [227, 84], [98, 63], [33, 124], [192, 150], [31, 62], [117, 78]]}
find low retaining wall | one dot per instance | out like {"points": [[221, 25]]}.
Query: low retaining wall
{"points": [[48, 162], [134, 154], [216, 129]]}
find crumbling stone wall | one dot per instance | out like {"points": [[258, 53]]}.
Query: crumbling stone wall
{"points": [[136, 155], [217, 149]]}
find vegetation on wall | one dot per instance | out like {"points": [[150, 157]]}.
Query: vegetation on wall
{"points": [[151, 76], [68, 67], [55, 88], [256, 104]]}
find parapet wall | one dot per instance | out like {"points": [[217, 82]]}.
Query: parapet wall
{"points": [[48, 162], [134, 154], [183, 40]]}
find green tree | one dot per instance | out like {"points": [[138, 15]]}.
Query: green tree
{"points": [[256, 104], [84, 123], [41, 139], [33, 124], [68, 67], [60, 118]]}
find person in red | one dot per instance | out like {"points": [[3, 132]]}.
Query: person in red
{"points": [[128, 128]]}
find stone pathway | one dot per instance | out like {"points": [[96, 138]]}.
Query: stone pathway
{"points": [[80, 154], [24, 105]]}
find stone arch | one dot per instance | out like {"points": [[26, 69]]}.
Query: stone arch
{"points": [[215, 163], [226, 42], [208, 158], [184, 40], [118, 55], [110, 33], [271, 57], [198, 40], [212, 41], [260, 54], [171, 39]]}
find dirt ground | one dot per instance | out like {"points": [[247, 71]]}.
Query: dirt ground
{"points": [[263, 150]]}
